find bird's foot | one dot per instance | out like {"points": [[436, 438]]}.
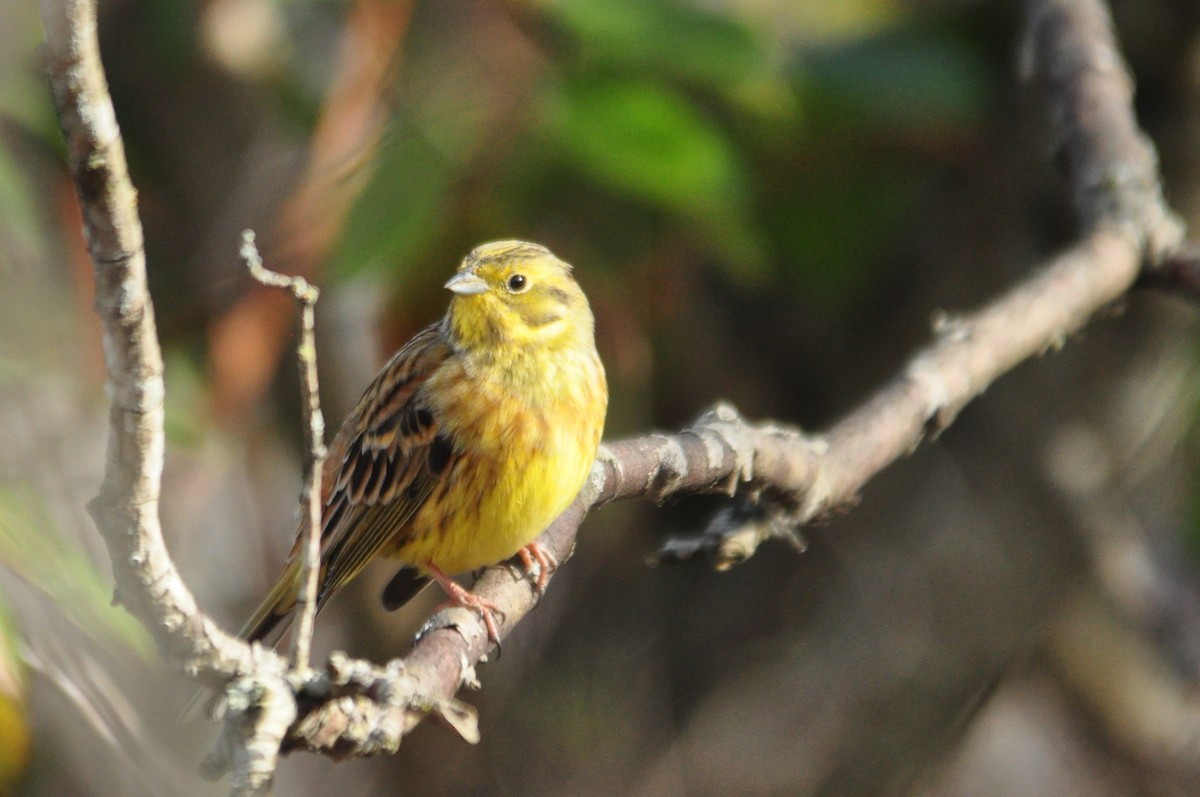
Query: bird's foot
{"points": [[539, 565], [459, 596]]}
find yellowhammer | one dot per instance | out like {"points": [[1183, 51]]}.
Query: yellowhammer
{"points": [[473, 437]]}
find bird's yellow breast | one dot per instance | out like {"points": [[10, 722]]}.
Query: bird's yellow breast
{"points": [[523, 455]]}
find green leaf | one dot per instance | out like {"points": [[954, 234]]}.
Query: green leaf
{"points": [[666, 38], [645, 140]]}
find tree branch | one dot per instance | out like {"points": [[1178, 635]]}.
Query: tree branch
{"points": [[126, 511], [797, 477], [1071, 53], [1111, 167], [354, 708]]}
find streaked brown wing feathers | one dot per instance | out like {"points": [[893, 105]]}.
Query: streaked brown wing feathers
{"points": [[387, 465]]}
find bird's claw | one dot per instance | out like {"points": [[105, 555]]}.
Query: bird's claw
{"points": [[539, 565]]}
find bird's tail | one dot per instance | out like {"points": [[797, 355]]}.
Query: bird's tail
{"points": [[273, 616]]}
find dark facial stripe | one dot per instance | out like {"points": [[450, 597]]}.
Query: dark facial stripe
{"points": [[542, 319]]}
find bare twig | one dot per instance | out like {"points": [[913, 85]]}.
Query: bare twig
{"points": [[126, 510], [314, 437]]}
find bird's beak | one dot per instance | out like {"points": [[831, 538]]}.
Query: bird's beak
{"points": [[465, 283]]}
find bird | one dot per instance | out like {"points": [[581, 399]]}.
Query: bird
{"points": [[468, 443]]}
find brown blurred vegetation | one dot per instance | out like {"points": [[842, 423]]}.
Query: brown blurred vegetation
{"points": [[767, 203]]}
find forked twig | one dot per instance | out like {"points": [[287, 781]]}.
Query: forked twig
{"points": [[306, 295]]}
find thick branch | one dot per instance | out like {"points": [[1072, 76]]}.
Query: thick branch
{"points": [[806, 476], [1111, 165], [126, 511]]}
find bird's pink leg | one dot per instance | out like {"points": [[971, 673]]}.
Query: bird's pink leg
{"points": [[469, 600]]}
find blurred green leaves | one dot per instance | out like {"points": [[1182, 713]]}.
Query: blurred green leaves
{"points": [[645, 109], [666, 39], [835, 223], [779, 146], [647, 141]]}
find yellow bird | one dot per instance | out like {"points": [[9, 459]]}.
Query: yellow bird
{"points": [[471, 440]]}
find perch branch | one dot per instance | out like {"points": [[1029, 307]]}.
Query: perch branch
{"points": [[1112, 169]]}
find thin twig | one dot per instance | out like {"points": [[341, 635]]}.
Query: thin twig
{"points": [[306, 296]]}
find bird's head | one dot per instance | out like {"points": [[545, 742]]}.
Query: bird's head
{"points": [[517, 294]]}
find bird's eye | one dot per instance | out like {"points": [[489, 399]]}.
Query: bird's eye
{"points": [[517, 283]]}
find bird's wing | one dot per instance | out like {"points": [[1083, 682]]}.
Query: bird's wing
{"points": [[392, 458], [381, 467]]}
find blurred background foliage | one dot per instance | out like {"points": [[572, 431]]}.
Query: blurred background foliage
{"points": [[766, 202]]}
